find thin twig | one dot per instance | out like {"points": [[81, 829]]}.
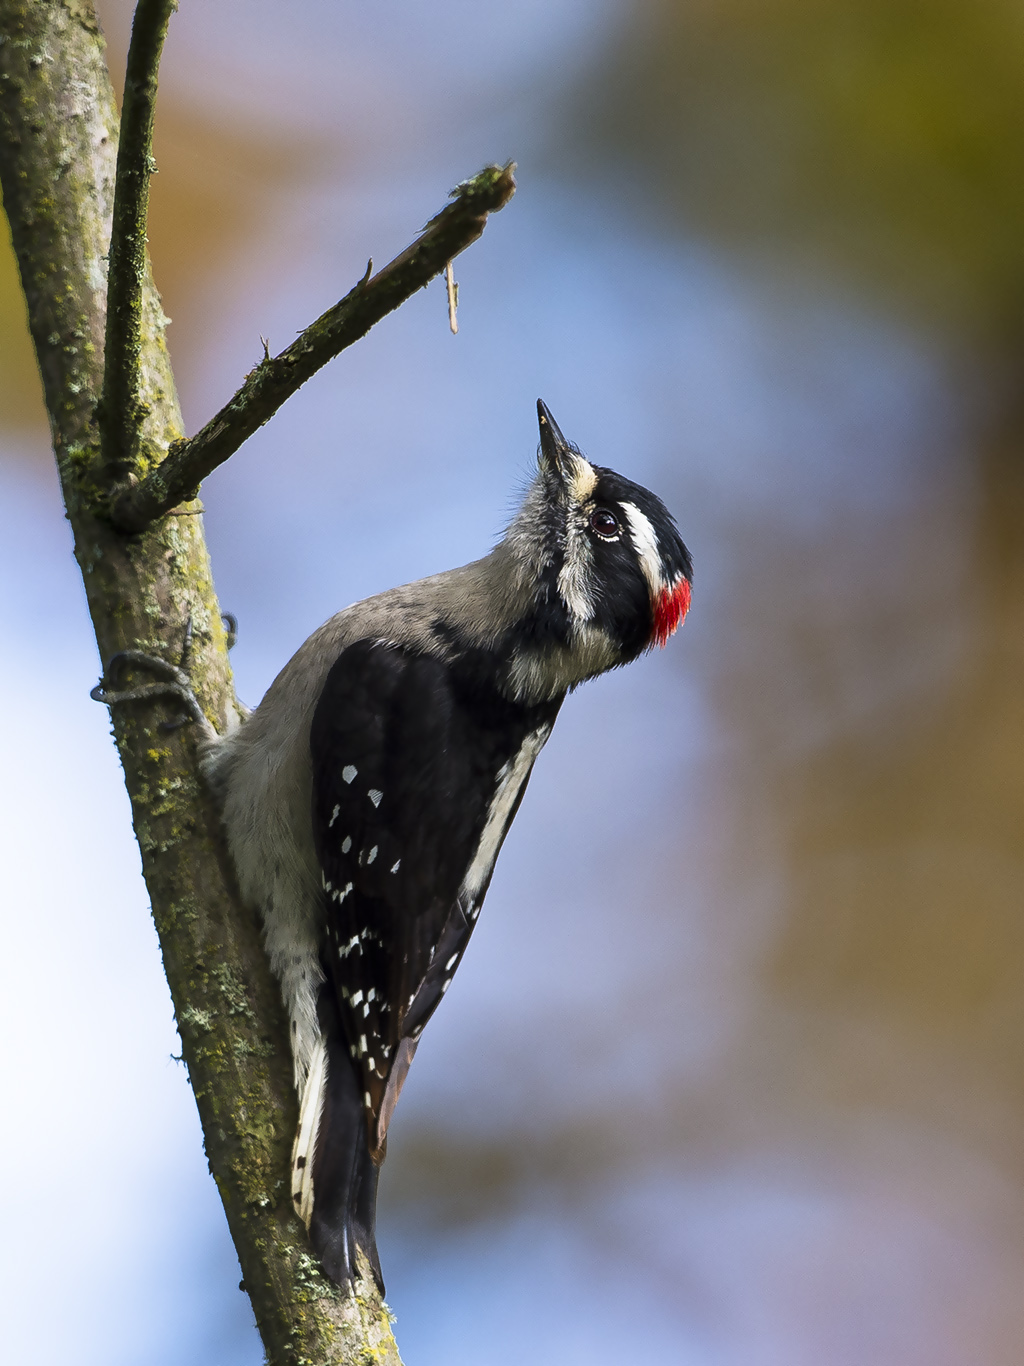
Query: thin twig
{"points": [[274, 380], [120, 410], [453, 297]]}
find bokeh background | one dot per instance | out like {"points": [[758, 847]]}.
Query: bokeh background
{"points": [[732, 1075]]}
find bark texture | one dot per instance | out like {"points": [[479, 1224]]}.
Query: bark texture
{"points": [[58, 139]]}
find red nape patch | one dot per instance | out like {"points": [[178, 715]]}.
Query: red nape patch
{"points": [[670, 606]]}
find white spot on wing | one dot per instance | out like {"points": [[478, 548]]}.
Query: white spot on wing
{"points": [[334, 817], [375, 796], [371, 855], [349, 772], [346, 844], [396, 865]]}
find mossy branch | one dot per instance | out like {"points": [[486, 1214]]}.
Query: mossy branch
{"points": [[276, 378], [120, 414], [58, 143]]}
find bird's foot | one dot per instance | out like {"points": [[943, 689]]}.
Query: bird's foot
{"points": [[172, 681]]}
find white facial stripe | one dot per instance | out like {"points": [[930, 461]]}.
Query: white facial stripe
{"points": [[580, 479], [645, 542], [574, 575]]}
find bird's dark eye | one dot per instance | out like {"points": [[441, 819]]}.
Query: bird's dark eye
{"points": [[605, 523]]}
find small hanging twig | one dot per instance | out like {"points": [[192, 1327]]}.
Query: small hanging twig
{"points": [[453, 297], [273, 380]]}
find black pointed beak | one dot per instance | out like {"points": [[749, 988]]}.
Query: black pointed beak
{"points": [[553, 444]]}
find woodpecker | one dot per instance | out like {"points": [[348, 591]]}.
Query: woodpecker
{"points": [[366, 798]]}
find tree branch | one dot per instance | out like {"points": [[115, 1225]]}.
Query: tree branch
{"points": [[276, 378], [58, 135], [120, 403]]}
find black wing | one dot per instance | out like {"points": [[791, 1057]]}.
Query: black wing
{"points": [[408, 754]]}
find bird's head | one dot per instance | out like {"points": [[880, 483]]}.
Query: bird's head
{"points": [[603, 561]]}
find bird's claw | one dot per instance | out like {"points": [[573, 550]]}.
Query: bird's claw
{"points": [[172, 681]]}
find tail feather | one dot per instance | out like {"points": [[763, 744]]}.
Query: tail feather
{"points": [[343, 1189], [310, 1111]]}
